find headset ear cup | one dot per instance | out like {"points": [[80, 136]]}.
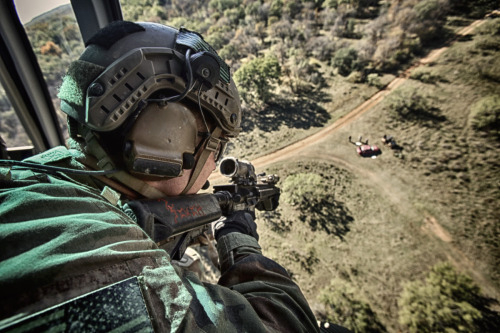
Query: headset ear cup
{"points": [[161, 141], [206, 67], [187, 161]]}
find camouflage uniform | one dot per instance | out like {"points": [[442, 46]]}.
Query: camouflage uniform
{"points": [[61, 239]]}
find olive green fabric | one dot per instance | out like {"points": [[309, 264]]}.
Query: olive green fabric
{"points": [[59, 239], [73, 90], [57, 233]]}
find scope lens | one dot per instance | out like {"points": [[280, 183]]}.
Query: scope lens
{"points": [[228, 167]]}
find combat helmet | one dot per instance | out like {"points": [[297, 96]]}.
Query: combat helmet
{"points": [[149, 73]]}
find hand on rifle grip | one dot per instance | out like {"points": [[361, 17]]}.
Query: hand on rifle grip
{"points": [[240, 221]]}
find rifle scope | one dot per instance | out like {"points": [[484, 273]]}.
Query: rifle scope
{"points": [[233, 168]]}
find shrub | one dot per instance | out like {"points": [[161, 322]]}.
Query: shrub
{"points": [[487, 43], [308, 260], [356, 77], [444, 302], [408, 104], [298, 188], [491, 27], [431, 10], [485, 115], [413, 107], [424, 76], [473, 8], [394, 50], [373, 80], [488, 68], [344, 305], [345, 60], [312, 196]]}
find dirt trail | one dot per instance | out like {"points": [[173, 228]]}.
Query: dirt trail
{"points": [[431, 225]]}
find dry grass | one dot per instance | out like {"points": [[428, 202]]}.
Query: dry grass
{"points": [[445, 178]]}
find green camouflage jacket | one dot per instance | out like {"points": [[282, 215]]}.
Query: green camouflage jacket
{"points": [[60, 239]]}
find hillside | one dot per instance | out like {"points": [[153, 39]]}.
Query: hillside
{"points": [[380, 223], [378, 244]]}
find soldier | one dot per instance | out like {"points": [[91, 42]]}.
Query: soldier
{"points": [[150, 109]]}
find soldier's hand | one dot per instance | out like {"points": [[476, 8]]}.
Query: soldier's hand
{"points": [[240, 221]]}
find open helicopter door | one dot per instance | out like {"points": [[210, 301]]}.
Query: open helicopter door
{"points": [[22, 78]]}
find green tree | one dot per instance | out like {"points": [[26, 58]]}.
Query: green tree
{"points": [[345, 60], [219, 36], [343, 304], [446, 301], [234, 15], [373, 79], [151, 10], [276, 8], [293, 7], [257, 77], [429, 21]]}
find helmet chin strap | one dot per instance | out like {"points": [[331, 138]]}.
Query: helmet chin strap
{"points": [[211, 144]]}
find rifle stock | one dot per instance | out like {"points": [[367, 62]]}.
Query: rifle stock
{"points": [[174, 222]]}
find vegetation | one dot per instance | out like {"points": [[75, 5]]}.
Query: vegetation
{"points": [[343, 305], [313, 197], [410, 106], [345, 61], [276, 38], [485, 115], [358, 232], [446, 301], [256, 79], [425, 76], [473, 8], [11, 129]]}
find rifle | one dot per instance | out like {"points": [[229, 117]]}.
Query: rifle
{"points": [[175, 222]]}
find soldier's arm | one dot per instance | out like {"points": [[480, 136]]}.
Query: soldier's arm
{"points": [[265, 284]]}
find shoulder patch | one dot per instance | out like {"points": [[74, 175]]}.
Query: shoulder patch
{"points": [[119, 307]]}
